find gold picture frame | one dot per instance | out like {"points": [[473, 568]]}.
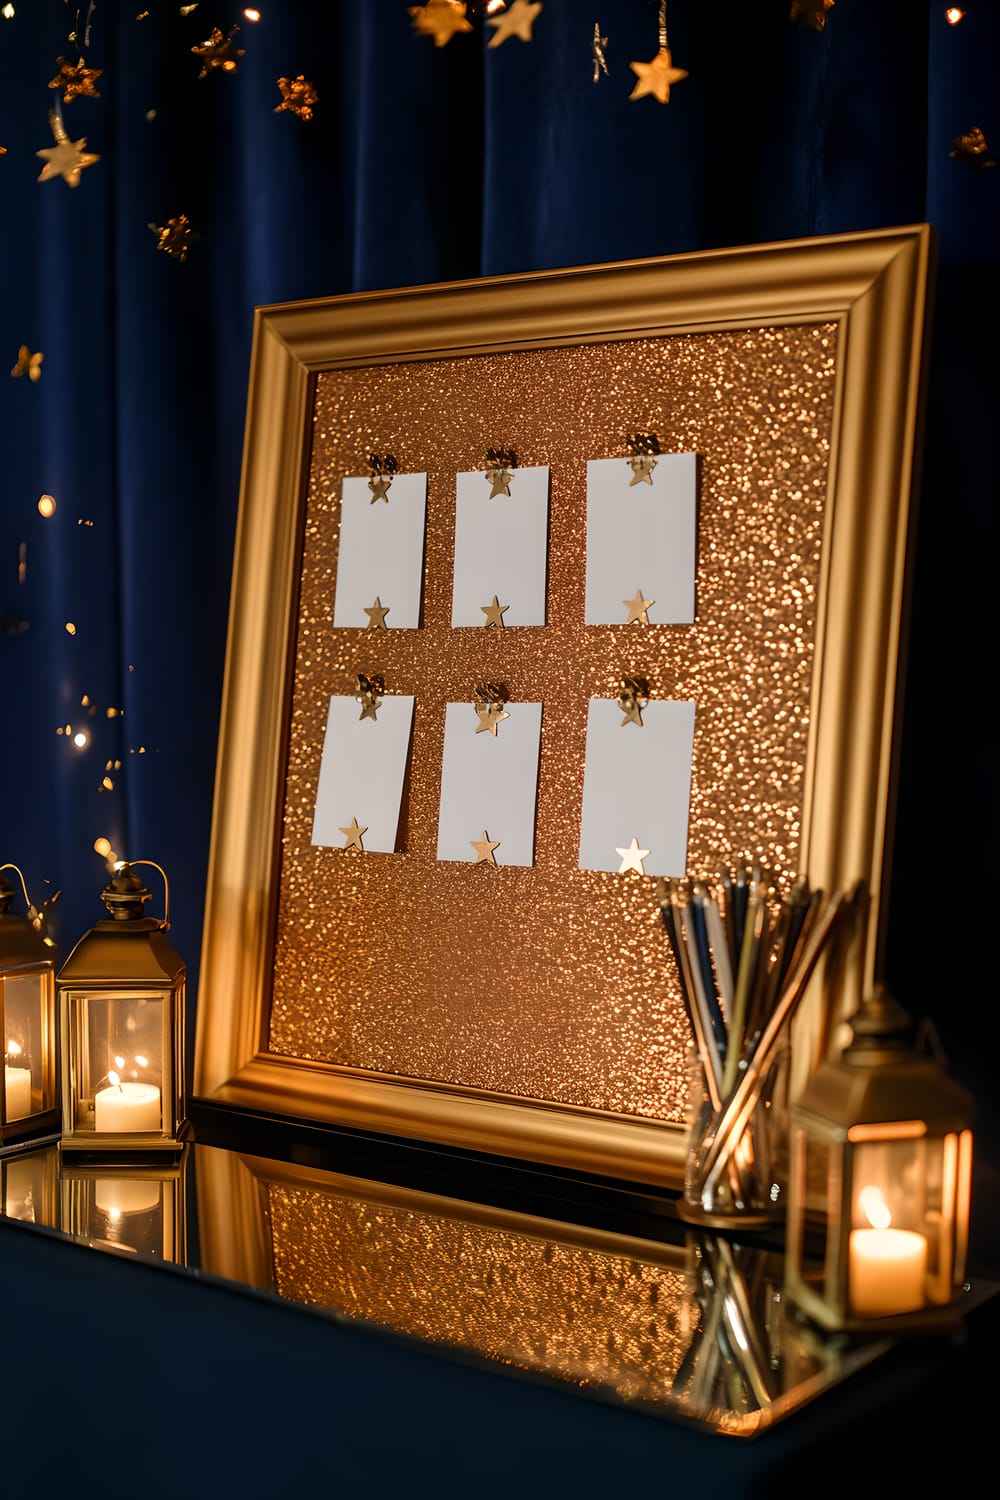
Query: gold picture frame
{"points": [[861, 299]]}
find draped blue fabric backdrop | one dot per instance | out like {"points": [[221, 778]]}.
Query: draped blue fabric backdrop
{"points": [[425, 164]]}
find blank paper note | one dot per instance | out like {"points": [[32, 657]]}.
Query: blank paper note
{"points": [[641, 541], [500, 549], [489, 785], [361, 775], [381, 553], [637, 786]]}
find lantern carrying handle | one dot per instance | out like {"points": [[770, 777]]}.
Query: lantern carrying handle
{"points": [[165, 924], [17, 871]]}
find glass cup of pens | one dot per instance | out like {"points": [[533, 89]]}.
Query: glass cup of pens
{"points": [[744, 955]]}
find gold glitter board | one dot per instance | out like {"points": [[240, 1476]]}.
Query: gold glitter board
{"points": [[534, 1012]]}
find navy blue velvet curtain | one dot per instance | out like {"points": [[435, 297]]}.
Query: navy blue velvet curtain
{"points": [[424, 164]]}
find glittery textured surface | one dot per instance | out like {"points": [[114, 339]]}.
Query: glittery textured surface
{"points": [[591, 1317], [554, 983]]}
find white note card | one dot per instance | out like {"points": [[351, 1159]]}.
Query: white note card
{"points": [[361, 774], [641, 540], [489, 784], [501, 546], [637, 785], [381, 553]]}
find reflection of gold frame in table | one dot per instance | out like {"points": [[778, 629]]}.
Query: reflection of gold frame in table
{"points": [[533, 1012]]}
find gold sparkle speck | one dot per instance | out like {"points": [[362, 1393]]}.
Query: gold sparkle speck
{"points": [[46, 506]]}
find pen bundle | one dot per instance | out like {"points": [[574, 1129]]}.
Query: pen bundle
{"points": [[744, 954]]}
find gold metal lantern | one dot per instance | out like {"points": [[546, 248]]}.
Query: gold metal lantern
{"points": [[880, 1184], [121, 1026], [29, 1105]]}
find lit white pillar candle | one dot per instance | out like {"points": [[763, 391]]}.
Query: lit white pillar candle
{"points": [[126, 1107], [18, 1085], [887, 1267]]}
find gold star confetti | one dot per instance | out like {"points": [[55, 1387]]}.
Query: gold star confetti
{"points": [[352, 835], [637, 608], [31, 365], [656, 77], [376, 615], [66, 159], [972, 148], [186, 10], [367, 695], [632, 858], [297, 96], [76, 80], [517, 21], [810, 12], [494, 612], [175, 237], [441, 19], [599, 55], [218, 54], [484, 848]]}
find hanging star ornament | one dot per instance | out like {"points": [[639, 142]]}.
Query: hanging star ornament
{"points": [[632, 858], [76, 80], [597, 50], [218, 54], [516, 21], [376, 614], [494, 612], [28, 364], [441, 19], [656, 77], [66, 159], [352, 835], [637, 608], [175, 237], [810, 13], [484, 848], [297, 96]]}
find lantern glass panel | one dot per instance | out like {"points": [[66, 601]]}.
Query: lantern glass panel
{"points": [[120, 1063], [26, 1002]]}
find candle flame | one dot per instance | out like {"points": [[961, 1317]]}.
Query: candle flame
{"points": [[13, 1049], [114, 1080], [874, 1207]]}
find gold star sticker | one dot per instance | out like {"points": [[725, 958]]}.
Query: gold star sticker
{"points": [[499, 479], [484, 848], [379, 486], [656, 77], [376, 615], [370, 706], [218, 54], [517, 21], [632, 858], [297, 96], [490, 715], [631, 705], [28, 364], [175, 237], [642, 466], [76, 80], [441, 19], [352, 835], [66, 159], [637, 608], [494, 612]]}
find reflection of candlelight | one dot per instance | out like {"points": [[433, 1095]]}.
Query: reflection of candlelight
{"points": [[17, 1084], [887, 1266]]}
